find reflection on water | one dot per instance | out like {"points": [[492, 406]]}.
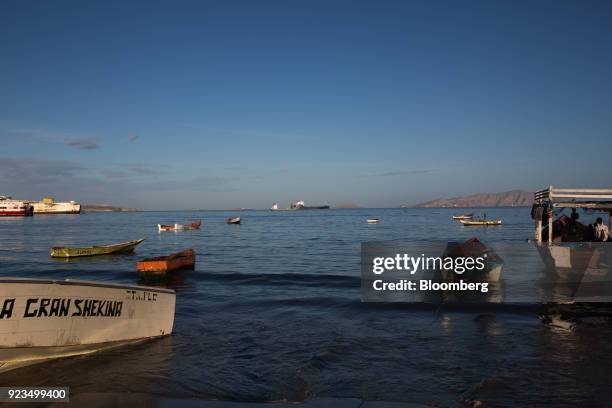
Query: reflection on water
{"points": [[145, 364], [272, 312], [177, 280]]}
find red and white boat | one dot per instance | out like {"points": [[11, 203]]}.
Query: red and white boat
{"points": [[10, 207]]}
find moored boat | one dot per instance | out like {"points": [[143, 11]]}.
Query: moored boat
{"points": [[180, 227], [161, 264], [46, 319], [467, 216], [233, 220], [473, 248], [577, 259], [483, 223], [69, 252], [14, 208], [195, 224]]}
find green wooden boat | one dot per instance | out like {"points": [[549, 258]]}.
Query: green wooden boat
{"points": [[69, 252]]}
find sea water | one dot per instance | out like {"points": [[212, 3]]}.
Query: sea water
{"points": [[273, 312]]}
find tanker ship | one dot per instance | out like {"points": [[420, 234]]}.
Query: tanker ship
{"points": [[300, 205]]}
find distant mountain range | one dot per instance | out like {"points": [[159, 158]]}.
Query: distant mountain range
{"points": [[514, 198]]}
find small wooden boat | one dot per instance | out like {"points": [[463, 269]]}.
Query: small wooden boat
{"points": [[484, 223], [46, 319], [195, 224], [463, 216], [473, 248], [372, 221], [180, 227], [162, 264], [233, 220], [69, 252]]}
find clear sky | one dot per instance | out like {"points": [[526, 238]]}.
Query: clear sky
{"points": [[186, 105]]}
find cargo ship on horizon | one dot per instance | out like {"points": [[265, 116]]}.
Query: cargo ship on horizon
{"points": [[299, 205]]}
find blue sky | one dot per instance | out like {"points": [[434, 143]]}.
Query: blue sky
{"points": [[183, 105]]}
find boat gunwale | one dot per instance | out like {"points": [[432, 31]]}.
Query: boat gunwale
{"points": [[177, 255], [104, 346], [78, 282], [481, 222], [121, 244]]}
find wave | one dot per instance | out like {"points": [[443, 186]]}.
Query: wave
{"points": [[323, 280]]}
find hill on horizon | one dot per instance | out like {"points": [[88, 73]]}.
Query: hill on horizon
{"points": [[513, 198]]}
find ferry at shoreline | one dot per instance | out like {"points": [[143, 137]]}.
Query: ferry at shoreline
{"points": [[14, 208], [49, 206]]}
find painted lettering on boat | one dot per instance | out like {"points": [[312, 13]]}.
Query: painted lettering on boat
{"points": [[141, 295], [62, 307], [46, 307], [93, 307], [7, 308]]}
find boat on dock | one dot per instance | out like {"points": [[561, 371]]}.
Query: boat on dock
{"points": [[180, 227], [160, 265], [467, 216], [15, 208], [233, 220], [48, 319], [70, 252], [481, 223]]}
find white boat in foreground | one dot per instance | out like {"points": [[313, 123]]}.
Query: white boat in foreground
{"points": [[45, 319]]}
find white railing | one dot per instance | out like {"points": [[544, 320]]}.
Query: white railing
{"points": [[594, 194]]}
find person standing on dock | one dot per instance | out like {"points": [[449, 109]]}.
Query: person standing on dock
{"points": [[601, 230]]}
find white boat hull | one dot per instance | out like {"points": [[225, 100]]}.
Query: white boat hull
{"points": [[43, 319], [56, 208], [578, 272]]}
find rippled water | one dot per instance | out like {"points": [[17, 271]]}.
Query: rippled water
{"points": [[272, 312]]}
